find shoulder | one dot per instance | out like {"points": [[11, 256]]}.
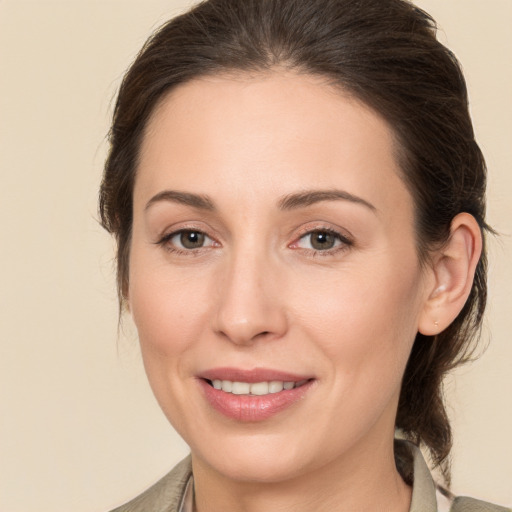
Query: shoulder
{"points": [[165, 495], [463, 504]]}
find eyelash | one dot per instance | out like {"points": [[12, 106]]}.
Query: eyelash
{"points": [[344, 243]]}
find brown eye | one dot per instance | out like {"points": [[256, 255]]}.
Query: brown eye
{"points": [[322, 240], [192, 239], [187, 241]]}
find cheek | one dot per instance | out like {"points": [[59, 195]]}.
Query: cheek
{"points": [[365, 321], [168, 307], [169, 312]]}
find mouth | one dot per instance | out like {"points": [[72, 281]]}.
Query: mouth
{"points": [[255, 388], [253, 395]]}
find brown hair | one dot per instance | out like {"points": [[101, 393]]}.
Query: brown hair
{"points": [[385, 53]]}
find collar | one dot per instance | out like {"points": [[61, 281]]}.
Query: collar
{"points": [[423, 488]]}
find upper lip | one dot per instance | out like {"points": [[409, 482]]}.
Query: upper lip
{"points": [[251, 376]]}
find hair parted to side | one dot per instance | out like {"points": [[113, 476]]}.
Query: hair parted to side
{"points": [[383, 52]]}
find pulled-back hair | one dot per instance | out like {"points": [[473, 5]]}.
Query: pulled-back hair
{"points": [[382, 52]]}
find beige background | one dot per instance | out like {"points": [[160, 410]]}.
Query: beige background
{"points": [[79, 428]]}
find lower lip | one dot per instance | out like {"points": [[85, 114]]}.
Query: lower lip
{"points": [[249, 408]]}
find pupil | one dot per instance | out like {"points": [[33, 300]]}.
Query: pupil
{"points": [[192, 239], [322, 240]]}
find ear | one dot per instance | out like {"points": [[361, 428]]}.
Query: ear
{"points": [[453, 269]]}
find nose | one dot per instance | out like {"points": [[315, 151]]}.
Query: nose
{"points": [[251, 303]]}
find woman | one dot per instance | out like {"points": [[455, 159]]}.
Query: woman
{"points": [[298, 202]]}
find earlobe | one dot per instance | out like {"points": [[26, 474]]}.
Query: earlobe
{"points": [[453, 270]]}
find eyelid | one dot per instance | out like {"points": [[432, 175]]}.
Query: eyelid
{"points": [[344, 234], [185, 225]]}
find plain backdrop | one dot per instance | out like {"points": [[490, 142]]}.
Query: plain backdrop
{"points": [[79, 428]]}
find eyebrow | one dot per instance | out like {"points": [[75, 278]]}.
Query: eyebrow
{"points": [[288, 202], [310, 197], [195, 200]]}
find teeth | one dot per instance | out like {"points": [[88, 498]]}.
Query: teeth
{"points": [[238, 388], [227, 386], [275, 386], [259, 388], [256, 388]]}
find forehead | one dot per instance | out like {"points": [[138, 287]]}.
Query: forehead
{"points": [[275, 132]]}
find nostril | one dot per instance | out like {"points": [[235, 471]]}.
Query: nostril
{"points": [[263, 334]]}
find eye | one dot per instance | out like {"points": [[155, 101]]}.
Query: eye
{"points": [[187, 239], [322, 240]]}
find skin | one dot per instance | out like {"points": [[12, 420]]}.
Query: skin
{"points": [[257, 295]]}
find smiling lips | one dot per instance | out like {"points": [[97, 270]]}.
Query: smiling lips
{"points": [[253, 395]]}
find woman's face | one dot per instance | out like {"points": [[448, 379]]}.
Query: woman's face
{"points": [[273, 243]]}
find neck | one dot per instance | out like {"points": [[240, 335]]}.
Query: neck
{"points": [[364, 480]]}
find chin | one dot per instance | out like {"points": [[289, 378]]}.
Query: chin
{"points": [[261, 470], [259, 459]]}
